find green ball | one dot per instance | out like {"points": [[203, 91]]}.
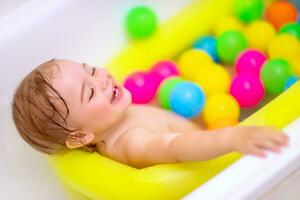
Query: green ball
{"points": [[165, 90], [275, 73], [140, 22], [248, 10], [230, 44], [291, 28]]}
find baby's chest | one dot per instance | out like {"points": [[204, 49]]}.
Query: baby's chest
{"points": [[158, 120]]}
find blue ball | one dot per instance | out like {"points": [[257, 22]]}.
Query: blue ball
{"points": [[208, 44], [187, 99], [290, 82]]}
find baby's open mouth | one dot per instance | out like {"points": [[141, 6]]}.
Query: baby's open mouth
{"points": [[116, 93]]}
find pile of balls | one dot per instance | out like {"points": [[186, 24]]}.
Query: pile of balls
{"points": [[262, 45]]}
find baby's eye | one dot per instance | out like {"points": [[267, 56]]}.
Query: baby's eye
{"points": [[93, 70], [92, 93]]}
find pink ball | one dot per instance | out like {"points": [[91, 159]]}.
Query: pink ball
{"points": [[248, 90], [250, 62], [165, 68], [142, 86]]}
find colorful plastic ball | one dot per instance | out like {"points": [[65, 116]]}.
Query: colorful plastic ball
{"points": [[222, 123], [230, 44], [214, 79], [250, 62], [165, 90], [295, 63], [220, 106], [193, 60], [280, 13], [248, 90], [259, 34], [284, 46], [248, 10], [165, 69], [274, 74], [292, 28], [291, 81], [208, 44], [187, 99], [142, 86], [141, 22], [229, 23]]}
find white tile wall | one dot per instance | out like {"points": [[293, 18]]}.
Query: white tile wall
{"points": [[8, 5]]}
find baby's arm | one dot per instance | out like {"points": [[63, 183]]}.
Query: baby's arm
{"points": [[143, 148]]}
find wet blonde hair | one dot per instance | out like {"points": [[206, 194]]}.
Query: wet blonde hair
{"points": [[40, 113]]}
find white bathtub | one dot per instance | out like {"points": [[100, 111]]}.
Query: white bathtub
{"points": [[90, 31]]}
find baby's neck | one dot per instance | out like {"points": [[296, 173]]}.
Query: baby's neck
{"points": [[109, 132]]}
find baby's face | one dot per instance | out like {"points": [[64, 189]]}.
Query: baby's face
{"points": [[95, 101]]}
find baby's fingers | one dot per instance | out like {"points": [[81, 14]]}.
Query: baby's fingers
{"points": [[257, 151], [269, 144], [280, 139]]}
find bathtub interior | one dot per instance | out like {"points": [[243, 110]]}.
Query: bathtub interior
{"points": [[38, 31]]}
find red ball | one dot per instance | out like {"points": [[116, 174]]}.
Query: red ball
{"points": [[248, 90], [142, 86], [165, 68], [281, 12], [250, 62]]}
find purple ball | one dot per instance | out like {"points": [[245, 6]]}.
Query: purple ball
{"points": [[247, 90], [250, 62], [165, 68], [142, 86]]}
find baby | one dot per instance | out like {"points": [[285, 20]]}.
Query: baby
{"points": [[65, 105]]}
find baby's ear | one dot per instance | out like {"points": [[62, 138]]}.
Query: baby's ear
{"points": [[79, 139]]}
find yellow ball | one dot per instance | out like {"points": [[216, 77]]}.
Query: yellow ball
{"points": [[192, 62], [284, 46], [220, 106], [213, 79], [222, 123], [296, 65], [259, 34], [228, 24]]}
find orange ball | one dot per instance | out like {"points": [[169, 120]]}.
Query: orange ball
{"points": [[222, 123], [280, 13]]}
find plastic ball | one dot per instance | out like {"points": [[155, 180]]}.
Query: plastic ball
{"points": [[229, 23], [222, 123], [247, 90], [209, 45], [142, 86], [292, 28], [230, 44], [275, 73], [165, 90], [187, 99], [291, 81], [295, 63], [193, 60], [220, 106], [165, 69], [250, 62], [284, 46], [259, 34], [141, 22], [213, 79], [248, 10], [280, 13]]}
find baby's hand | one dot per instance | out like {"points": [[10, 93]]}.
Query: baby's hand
{"points": [[256, 140]]}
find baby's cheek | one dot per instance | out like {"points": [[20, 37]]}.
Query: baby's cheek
{"points": [[101, 105]]}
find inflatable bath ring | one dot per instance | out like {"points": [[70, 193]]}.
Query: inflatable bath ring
{"points": [[92, 176]]}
